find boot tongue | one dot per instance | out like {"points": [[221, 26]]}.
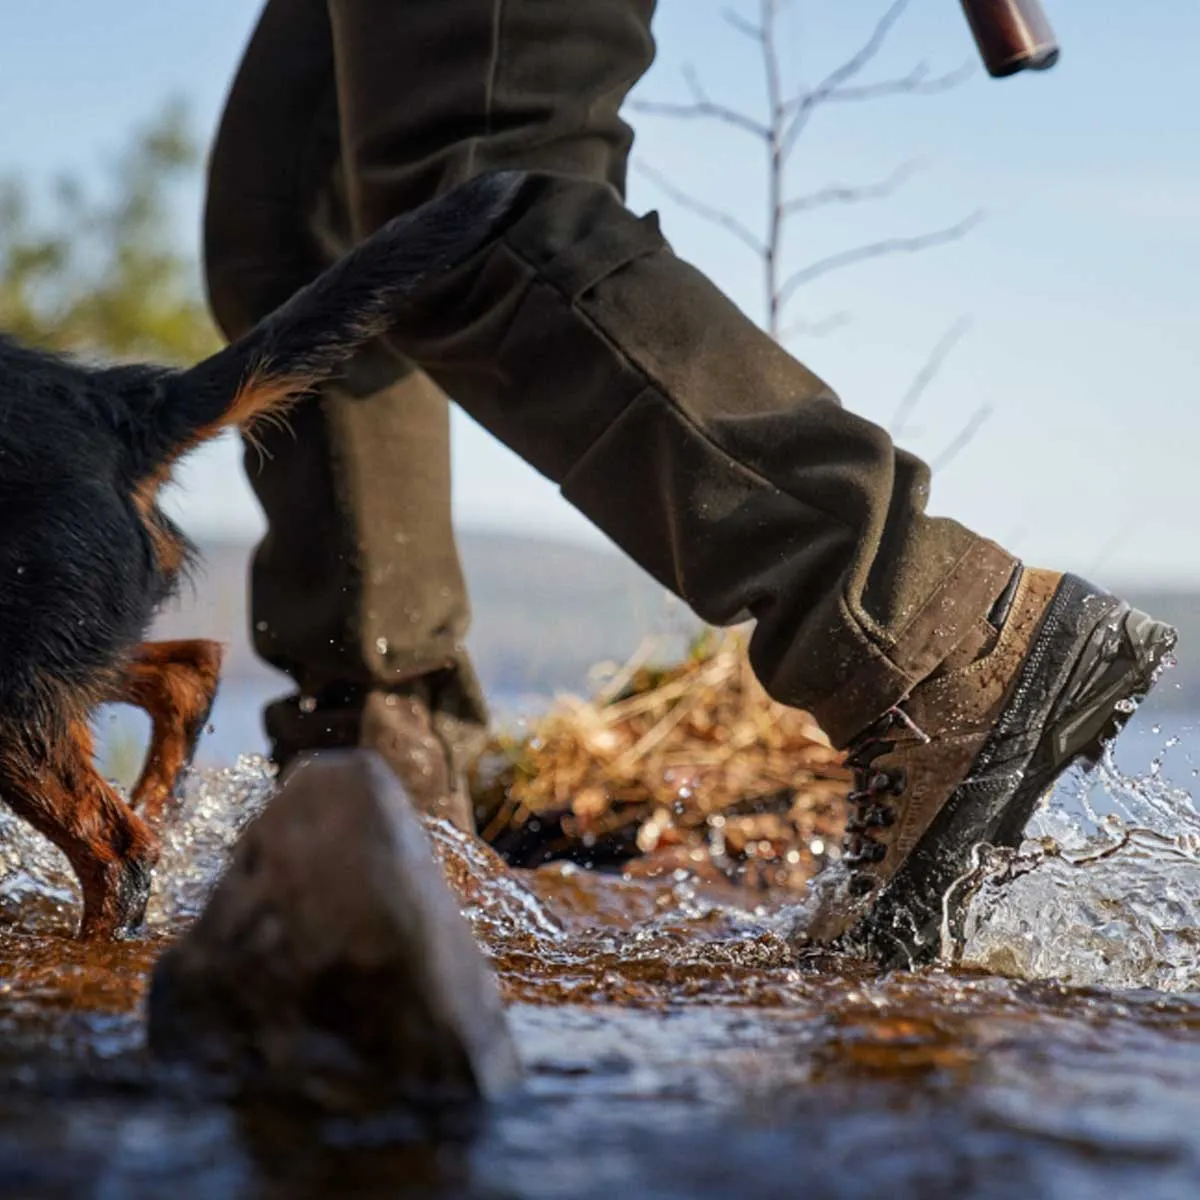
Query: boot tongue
{"points": [[985, 632]]}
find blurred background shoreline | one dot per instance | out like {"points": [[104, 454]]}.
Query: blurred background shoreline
{"points": [[548, 616]]}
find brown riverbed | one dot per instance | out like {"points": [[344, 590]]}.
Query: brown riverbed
{"points": [[674, 1047]]}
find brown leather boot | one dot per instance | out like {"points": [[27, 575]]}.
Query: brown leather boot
{"points": [[428, 752], [402, 729], [964, 760]]}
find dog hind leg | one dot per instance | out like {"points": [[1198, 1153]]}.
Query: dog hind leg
{"points": [[58, 790], [175, 683]]}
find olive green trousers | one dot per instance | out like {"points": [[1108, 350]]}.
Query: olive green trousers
{"points": [[714, 459]]}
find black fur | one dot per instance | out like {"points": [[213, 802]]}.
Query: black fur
{"points": [[81, 568]]}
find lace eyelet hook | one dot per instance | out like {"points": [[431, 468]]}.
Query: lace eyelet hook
{"points": [[898, 715]]}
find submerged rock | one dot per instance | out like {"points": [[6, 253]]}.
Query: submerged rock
{"points": [[331, 964]]}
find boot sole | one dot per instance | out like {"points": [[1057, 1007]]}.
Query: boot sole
{"points": [[1093, 658]]}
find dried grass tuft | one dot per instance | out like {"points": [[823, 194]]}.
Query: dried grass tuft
{"points": [[690, 765]]}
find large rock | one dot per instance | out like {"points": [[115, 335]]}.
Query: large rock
{"points": [[331, 964]]}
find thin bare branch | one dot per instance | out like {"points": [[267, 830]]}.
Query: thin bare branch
{"points": [[775, 170], [779, 129], [716, 216], [815, 329], [916, 83], [926, 375], [849, 258], [808, 100], [840, 193], [691, 112], [867, 52], [702, 108], [756, 33], [962, 441], [771, 66]]}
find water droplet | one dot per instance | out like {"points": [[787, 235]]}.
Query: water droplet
{"points": [[308, 704]]}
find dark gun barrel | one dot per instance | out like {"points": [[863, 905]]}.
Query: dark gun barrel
{"points": [[1013, 35]]}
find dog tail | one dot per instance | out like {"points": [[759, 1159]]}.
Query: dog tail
{"points": [[311, 337]]}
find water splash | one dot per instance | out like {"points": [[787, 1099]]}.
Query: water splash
{"points": [[199, 833], [1104, 893], [38, 891]]}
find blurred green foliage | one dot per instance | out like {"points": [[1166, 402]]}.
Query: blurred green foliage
{"points": [[97, 269]]}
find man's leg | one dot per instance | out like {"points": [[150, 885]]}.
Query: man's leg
{"points": [[722, 465], [357, 589]]}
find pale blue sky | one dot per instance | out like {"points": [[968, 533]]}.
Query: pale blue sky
{"points": [[1080, 286]]}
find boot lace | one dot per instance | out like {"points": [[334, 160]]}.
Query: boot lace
{"points": [[871, 800]]}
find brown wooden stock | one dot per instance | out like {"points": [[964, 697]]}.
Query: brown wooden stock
{"points": [[1013, 35]]}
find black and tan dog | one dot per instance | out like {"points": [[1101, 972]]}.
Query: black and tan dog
{"points": [[86, 555]]}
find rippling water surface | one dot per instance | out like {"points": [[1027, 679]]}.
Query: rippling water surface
{"points": [[675, 1048]]}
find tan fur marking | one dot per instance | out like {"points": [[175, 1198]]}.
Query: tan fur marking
{"points": [[168, 551], [174, 683], [58, 790], [260, 395]]}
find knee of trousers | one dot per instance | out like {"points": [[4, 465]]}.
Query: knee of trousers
{"points": [[264, 232], [578, 306], [253, 261]]}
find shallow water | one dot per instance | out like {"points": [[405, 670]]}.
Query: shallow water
{"points": [[674, 1045]]}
